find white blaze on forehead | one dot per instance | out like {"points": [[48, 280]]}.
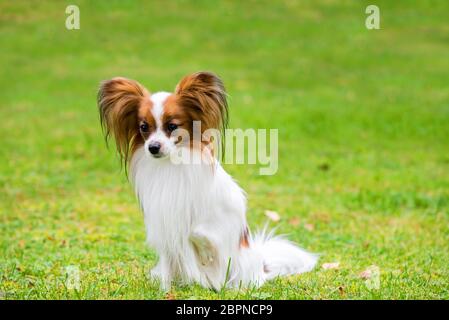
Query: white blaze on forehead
{"points": [[158, 100]]}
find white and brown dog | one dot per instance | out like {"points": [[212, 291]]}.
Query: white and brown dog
{"points": [[194, 212]]}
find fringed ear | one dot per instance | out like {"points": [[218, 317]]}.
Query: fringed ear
{"points": [[203, 95], [118, 101]]}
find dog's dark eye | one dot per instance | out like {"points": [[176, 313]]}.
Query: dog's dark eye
{"points": [[172, 127], [144, 127]]}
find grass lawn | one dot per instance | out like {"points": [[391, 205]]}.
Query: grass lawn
{"points": [[363, 119]]}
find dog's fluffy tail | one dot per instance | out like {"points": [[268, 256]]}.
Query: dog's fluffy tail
{"points": [[282, 257], [269, 256]]}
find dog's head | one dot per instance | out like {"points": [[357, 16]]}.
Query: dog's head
{"points": [[162, 122]]}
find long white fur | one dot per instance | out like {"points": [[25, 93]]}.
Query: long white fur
{"points": [[195, 216]]}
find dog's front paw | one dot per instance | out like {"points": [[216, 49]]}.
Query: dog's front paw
{"points": [[156, 274], [204, 248]]}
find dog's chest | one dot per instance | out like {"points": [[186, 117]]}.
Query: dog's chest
{"points": [[173, 198]]}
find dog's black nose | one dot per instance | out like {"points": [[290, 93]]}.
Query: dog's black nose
{"points": [[154, 147]]}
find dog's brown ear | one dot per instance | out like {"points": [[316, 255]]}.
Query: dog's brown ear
{"points": [[204, 97], [118, 101]]}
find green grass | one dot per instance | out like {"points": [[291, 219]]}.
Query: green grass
{"points": [[363, 119]]}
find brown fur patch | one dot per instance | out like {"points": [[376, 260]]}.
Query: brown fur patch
{"points": [[144, 115], [174, 113], [244, 238]]}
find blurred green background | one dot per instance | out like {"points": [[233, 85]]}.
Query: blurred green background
{"points": [[363, 140]]}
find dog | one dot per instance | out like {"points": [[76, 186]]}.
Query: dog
{"points": [[194, 212]]}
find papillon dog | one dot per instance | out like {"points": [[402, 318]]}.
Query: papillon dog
{"points": [[194, 212]]}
